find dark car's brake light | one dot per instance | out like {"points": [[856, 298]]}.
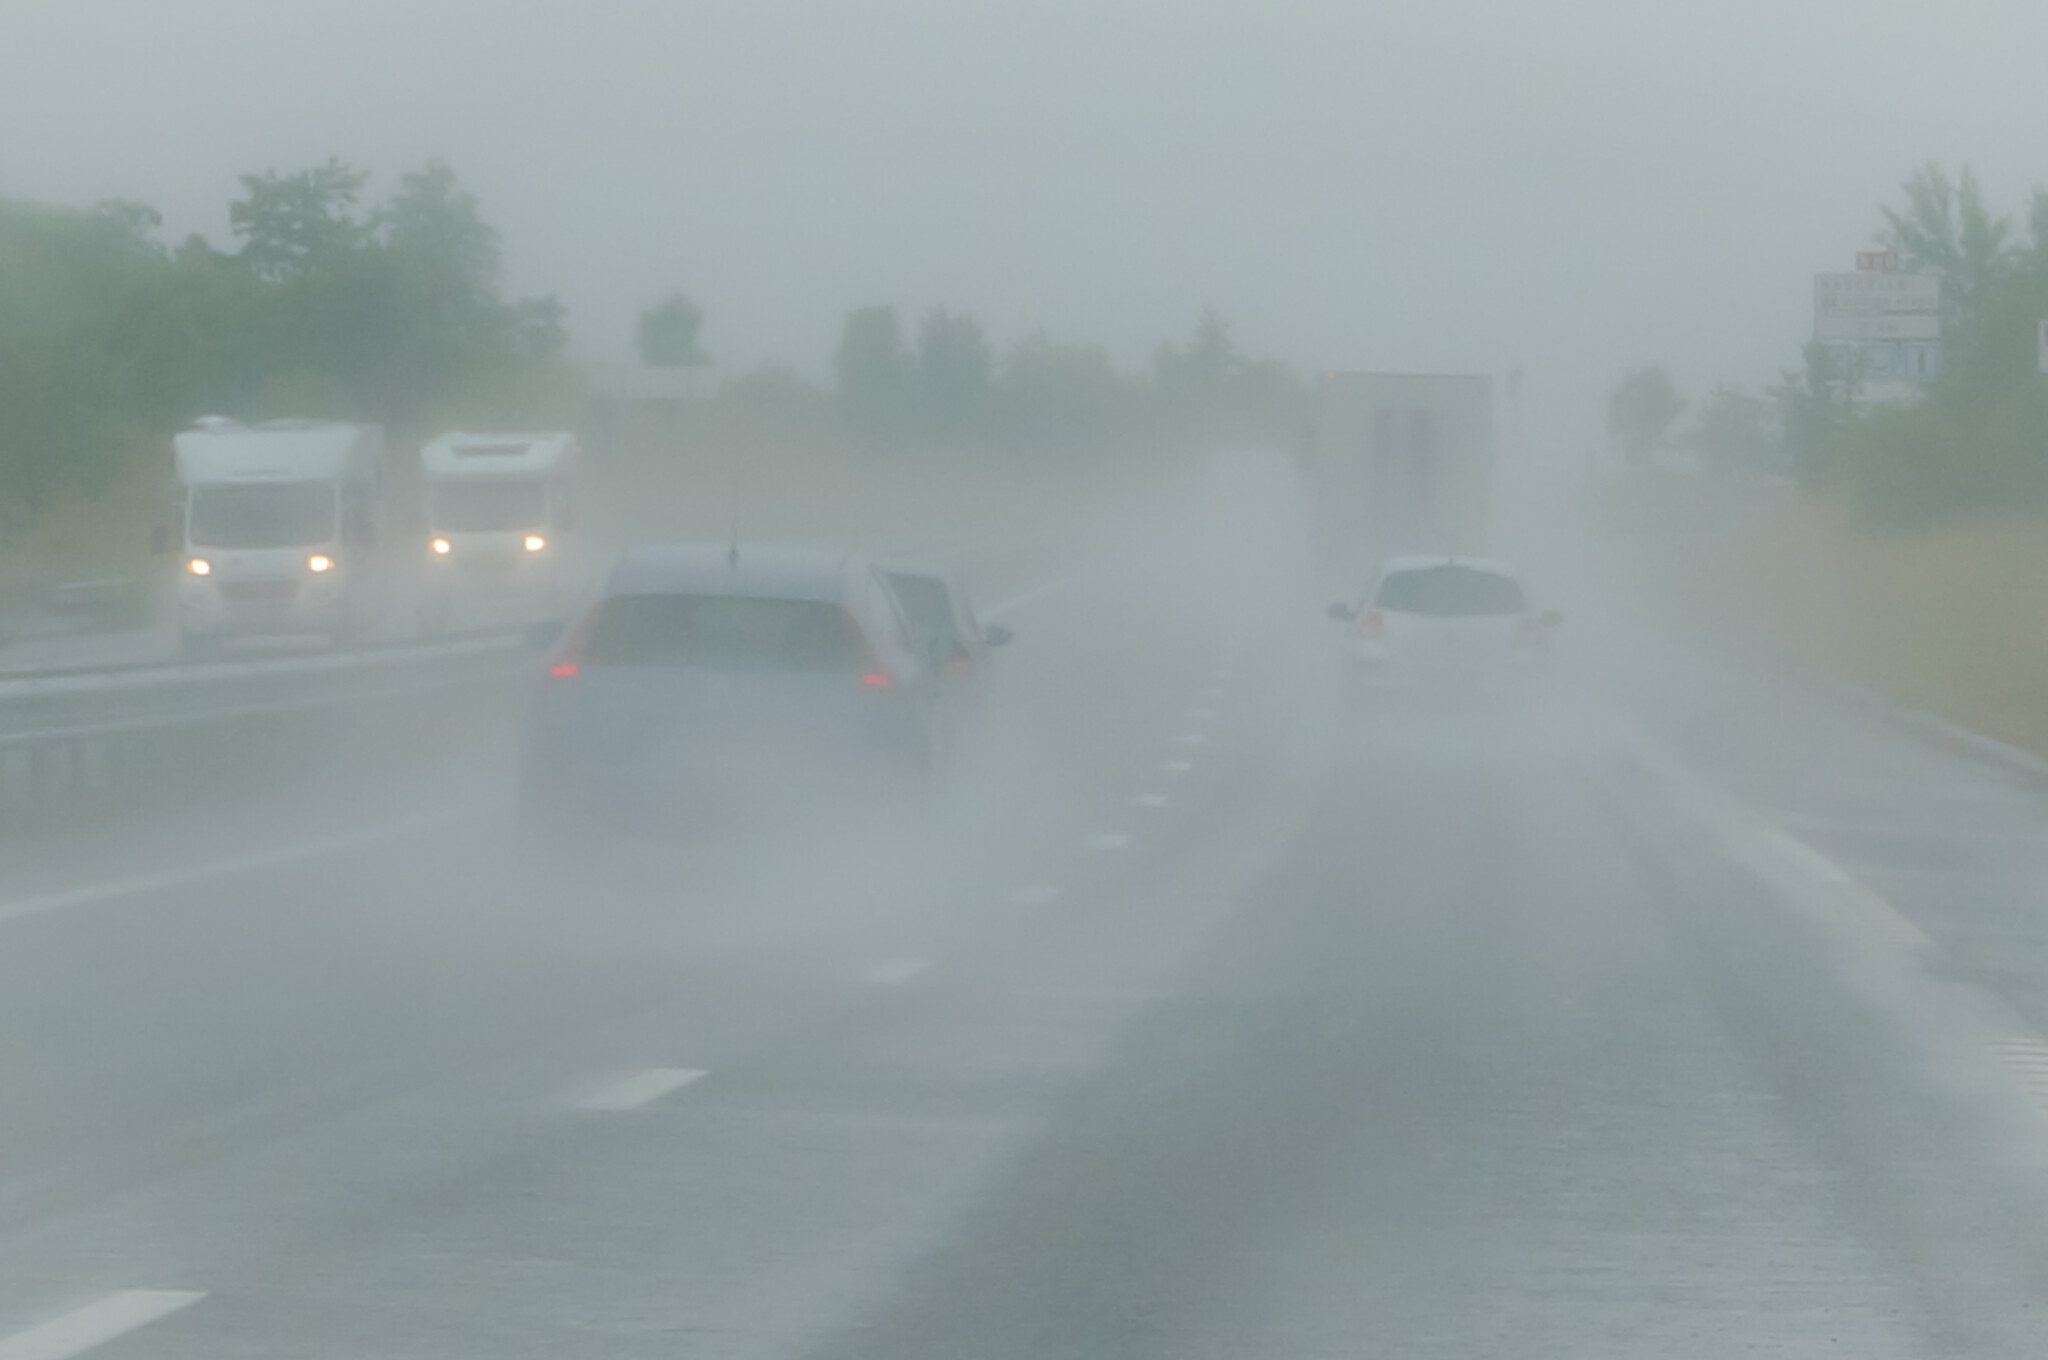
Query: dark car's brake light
{"points": [[1372, 625], [877, 679], [567, 662]]}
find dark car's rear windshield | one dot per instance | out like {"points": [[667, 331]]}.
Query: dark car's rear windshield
{"points": [[925, 602], [724, 632], [1450, 591]]}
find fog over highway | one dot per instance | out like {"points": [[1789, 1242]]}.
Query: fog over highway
{"points": [[1158, 681], [1212, 1017]]}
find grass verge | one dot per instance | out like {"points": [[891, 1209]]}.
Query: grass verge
{"points": [[1953, 620]]}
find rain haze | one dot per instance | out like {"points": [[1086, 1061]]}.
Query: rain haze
{"points": [[1462, 184], [1160, 680]]}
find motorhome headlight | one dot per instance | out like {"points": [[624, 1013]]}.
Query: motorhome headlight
{"points": [[319, 562], [534, 543], [199, 566], [441, 547]]}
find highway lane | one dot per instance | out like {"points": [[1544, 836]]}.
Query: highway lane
{"points": [[1221, 1023]]}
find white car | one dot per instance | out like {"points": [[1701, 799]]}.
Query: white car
{"points": [[1446, 618]]}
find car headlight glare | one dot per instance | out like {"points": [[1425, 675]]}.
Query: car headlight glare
{"points": [[199, 566], [441, 547], [534, 543], [318, 563]]}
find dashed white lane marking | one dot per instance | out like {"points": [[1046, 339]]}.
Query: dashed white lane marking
{"points": [[1149, 800], [1201, 714], [184, 875], [640, 1088], [1035, 895], [1176, 766], [2027, 1059], [1033, 595], [1193, 739], [1214, 693], [896, 972], [1109, 840], [95, 1324]]}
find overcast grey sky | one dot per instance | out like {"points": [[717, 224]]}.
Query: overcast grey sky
{"points": [[1443, 183]]}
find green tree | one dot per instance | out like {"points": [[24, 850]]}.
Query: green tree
{"points": [[1061, 394], [1736, 430], [540, 327], [290, 223], [1206, 364], [955, 369], [1640, 411], [872, 368], [1815, 402], [669, 332], [1945, 228], [438, 231]]}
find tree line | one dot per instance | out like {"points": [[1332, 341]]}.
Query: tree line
{"points": [[326, 305], [1977, 438], [327, 302], [945, 379]]}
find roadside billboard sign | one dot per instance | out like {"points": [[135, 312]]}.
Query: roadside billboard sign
{"points": [[1865, 294], [1877, 326], [1881, 325]]}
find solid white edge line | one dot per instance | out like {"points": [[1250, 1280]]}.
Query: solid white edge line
{"points": [[896, 972], [184, 875], [636, 1089], [1801, 874], [104, 1319]]}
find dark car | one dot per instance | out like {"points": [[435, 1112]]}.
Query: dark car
{"points": [[716, 681], [943, 627]]}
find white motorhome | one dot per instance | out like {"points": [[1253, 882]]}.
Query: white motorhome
{"points": [[500, 520], [280, 528]]}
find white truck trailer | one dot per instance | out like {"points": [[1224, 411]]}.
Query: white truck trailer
{"points": [[500, 525], [1400, 463], [281, 525]]}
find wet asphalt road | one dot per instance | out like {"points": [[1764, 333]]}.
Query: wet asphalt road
{"points": [[1216, 1018]]}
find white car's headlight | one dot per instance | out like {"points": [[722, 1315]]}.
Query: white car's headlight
{"points": [[318, 563], [199, 566], [534, 543], [441, 547]]}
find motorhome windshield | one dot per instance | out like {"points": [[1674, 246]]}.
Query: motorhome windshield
{"points": [[262, 515], [485, 506]]}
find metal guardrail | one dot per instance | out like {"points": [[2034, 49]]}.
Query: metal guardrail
{"points": [[70, 608], [78, 745]]}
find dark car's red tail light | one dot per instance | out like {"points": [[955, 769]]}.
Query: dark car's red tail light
{"points": [[1372, 625], [567, 662]]}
